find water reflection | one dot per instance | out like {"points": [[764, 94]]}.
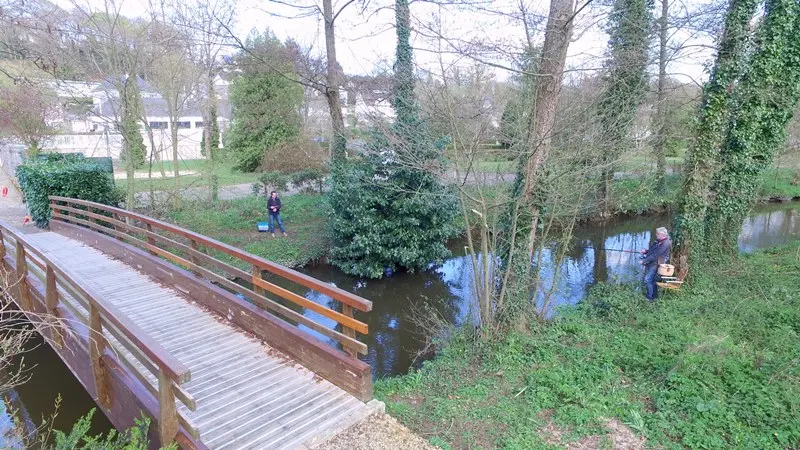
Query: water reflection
{"points": [[25, 408], [395, 338]]}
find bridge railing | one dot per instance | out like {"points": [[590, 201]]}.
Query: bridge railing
{"points": [[43, 287], [204, 256]]}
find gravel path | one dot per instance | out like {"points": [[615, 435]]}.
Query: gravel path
{"points": [[377, 432]]}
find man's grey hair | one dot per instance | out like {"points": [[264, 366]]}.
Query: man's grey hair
{"points": [[662, 230]]}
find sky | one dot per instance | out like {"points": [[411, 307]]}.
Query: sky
{"points": [[365, 39], [365, 42]]}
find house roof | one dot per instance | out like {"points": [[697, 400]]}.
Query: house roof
{"points": [[157, 107]]}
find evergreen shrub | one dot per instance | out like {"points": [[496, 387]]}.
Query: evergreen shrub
{"points": [[71, 176]]}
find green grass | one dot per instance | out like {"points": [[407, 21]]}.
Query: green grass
{"points": [[778, 184], [225, 175], [234, 222], [715, 366]]}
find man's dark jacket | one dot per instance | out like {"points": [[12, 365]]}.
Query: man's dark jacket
{"points": [[274, 202], [658, 253]]}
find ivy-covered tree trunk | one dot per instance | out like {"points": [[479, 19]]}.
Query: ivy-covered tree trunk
{"points": [[133, 149], [626, 86], [715, 114], [766, 99], [211, 142], [660, 122]]}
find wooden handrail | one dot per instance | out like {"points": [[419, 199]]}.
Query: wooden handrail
{"points": [[146, 238], [170, 372], [334, 292], [163, 359]]}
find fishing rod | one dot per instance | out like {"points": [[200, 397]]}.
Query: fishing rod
{"points": [[613, 250]]}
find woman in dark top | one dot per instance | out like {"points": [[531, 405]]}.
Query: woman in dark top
{"points": [[274, 210]]}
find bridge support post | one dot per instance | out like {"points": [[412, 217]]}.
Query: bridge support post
{"points": [[193, 258], [257, 276], [2, 248], [150, 240], [348, 311], [167, 413], [22, 279], [51, 302], [97, 347]]}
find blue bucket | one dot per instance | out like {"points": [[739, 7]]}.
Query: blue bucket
{"points": [[262, 226]]}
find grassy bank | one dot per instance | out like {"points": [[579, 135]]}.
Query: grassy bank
{"points": [[234, 222], [715, 366]]}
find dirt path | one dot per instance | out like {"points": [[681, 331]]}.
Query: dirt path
{"points": [[377, 432]]}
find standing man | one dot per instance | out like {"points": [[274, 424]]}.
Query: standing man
{"points": [[658, 253], [274, 210]]}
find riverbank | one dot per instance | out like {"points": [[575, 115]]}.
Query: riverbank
{"points": [[305, 215], [714, 366], [234, 222]]}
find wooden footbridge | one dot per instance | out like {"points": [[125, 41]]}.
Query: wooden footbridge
{"points": [[200, 336]]}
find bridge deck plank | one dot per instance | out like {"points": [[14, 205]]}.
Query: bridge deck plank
{"points": [[248, 395]]}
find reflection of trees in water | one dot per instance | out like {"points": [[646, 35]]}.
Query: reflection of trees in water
{"points": [[16, 426], [394, 338], [772, 226]]}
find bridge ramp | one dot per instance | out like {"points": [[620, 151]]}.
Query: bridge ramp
{"points": [[248, 395]]}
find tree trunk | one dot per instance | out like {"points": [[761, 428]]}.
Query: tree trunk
{"points": [[766, 97], [518, 288], [660, 144], [551, 68], [702, 158], [208, 131], [338, 144]]}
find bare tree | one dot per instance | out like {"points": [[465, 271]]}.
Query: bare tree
{"points": [[334, 79], [27, 112], [209, 27]]}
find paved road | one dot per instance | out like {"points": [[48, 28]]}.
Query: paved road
{"points": [[243, 190], [12, 210]]}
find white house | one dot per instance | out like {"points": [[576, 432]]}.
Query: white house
{"points": [[91, 118]]}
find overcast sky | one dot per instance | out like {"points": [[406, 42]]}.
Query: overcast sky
{"points": [[365, 42], [366, 39]]}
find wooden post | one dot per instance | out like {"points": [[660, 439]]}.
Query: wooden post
{"points": [[116, 228], [193, 258], [257, 276], [97, 347], [51, 302], [22, 279], [150, 240], [167, 413], [2, 248], [348, 310]]}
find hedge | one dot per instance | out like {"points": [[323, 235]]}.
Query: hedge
{"points": [[72, 176]]}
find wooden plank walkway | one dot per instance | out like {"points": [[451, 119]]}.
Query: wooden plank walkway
{"points": [[248, 395]]}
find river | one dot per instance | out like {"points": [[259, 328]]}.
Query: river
{"points": [[395, 338]]}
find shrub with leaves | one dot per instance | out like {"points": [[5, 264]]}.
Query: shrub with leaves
{"points": [[389, 210], [71, 176], [264, 100], [78, 438], [308, 179], [270, 181]]}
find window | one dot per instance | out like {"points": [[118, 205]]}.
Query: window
{"points": [[159, 125], [199, 125], [184, 125]]}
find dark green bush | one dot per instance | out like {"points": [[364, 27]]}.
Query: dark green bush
{"points": [[308, 179], [71, 176], [270, 181]]}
